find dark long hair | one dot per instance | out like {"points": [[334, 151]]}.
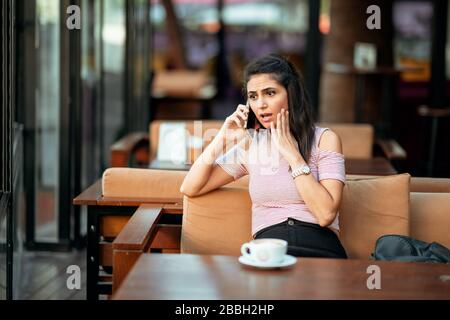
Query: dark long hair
{"points": [[301, 121]]}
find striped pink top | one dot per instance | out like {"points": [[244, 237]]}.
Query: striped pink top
{"points": [[273, 192]]}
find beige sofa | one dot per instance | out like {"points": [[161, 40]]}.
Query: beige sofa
{"points": [[220, 221]]}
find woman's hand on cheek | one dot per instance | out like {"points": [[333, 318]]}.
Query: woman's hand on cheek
{"points": [[284, 141]]}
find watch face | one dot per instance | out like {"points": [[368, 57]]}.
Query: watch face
{"points": [[306, 170]]}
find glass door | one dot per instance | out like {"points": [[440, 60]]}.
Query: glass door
{"points": [[48, 108], [47, 120], [76, 103]]}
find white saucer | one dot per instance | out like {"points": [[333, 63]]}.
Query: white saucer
{"points": [[287, 261]]}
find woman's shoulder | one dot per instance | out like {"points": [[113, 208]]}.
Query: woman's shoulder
{"points": [[327, 140]]}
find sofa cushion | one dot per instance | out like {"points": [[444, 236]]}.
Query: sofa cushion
{"points": [[430, 217], [217, 222], [142, 183], [179, 83], [371, 208]]}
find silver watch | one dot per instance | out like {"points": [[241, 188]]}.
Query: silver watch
{"points": [[303, 169]]}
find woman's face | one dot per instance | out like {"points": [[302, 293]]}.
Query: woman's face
{"points": [[266, 97]]}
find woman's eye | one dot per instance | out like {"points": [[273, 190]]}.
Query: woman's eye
{"points": [[271, 93], [252, 97]]}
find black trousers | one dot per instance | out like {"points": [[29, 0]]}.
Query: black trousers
{"points": [[305, 239]]}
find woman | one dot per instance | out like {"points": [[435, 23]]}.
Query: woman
{"points": [[298, 199]]}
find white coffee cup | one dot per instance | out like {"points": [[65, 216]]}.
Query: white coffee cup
{"points": [[265, 251]]}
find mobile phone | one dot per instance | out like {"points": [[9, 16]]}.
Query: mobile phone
{"points": [[251, 119]]}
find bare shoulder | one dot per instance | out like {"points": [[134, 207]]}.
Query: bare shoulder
{"points": [[330, 141]]}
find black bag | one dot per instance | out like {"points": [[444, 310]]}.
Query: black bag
{"points": [[403, 248]]}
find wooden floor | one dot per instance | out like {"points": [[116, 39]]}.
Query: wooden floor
{"points": [[43, 276]]}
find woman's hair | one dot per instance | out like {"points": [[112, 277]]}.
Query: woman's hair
{"points": [[301, 122]]}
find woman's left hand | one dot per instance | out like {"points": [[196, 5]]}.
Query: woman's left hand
{"points": [[284, 141]]}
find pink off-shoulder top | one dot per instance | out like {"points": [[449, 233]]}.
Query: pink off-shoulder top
{"points": [[272, 189]]}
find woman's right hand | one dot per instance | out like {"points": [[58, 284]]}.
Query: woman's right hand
{"points": [[234, 125]]}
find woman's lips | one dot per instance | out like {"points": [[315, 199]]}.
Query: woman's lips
{"points": [[266, 118]]}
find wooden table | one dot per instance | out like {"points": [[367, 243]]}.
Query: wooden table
{"points": [[193, 277], [374, 166]]}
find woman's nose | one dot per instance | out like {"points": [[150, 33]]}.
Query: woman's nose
{"points": [[261, 104]]}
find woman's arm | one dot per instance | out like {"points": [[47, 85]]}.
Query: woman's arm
{"points": [[204, 176], [322, 198]]}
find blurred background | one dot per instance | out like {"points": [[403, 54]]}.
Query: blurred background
{"points": [[69, 95]]}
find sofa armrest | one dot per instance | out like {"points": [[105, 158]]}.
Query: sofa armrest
{"points": [[133, 240], [122, 151], [137, 233], [430, 216], [391, 149]]}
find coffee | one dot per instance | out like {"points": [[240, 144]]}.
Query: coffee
{"points": [[265, 251]]}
